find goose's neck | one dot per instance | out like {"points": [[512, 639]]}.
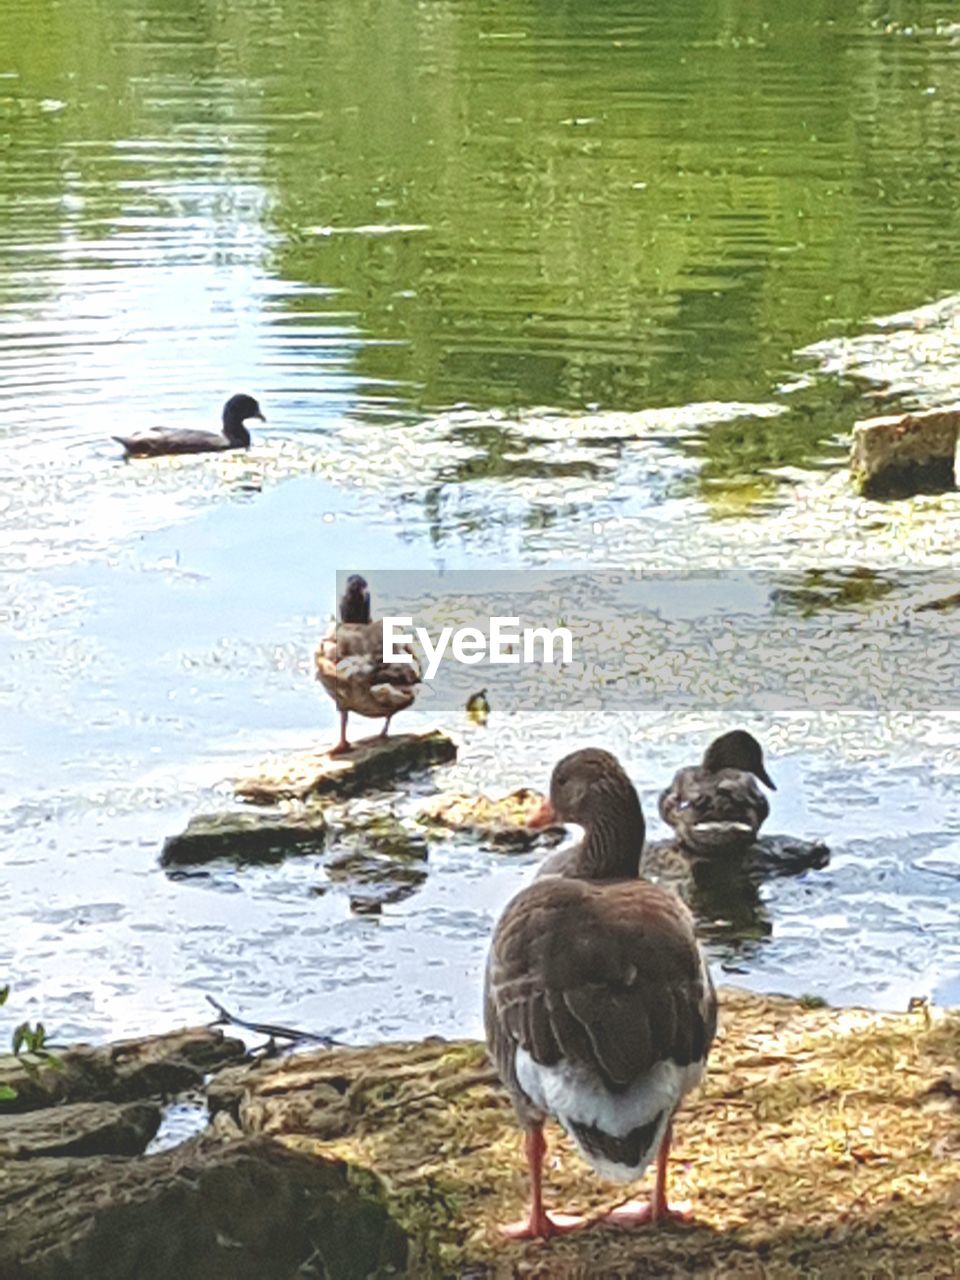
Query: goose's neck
{"points": [[612, 845]]}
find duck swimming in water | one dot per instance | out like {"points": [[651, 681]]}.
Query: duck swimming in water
{"points": [[164, 440], [350, 666], [598, 1003], [717, 806]]}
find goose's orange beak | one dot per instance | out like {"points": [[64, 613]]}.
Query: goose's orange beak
{"points": [[545, 816]]}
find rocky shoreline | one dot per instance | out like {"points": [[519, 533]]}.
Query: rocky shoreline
{"points": [[825, 1142]]}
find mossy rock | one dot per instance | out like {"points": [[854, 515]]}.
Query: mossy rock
{"points": [[372, 763], [501, 822]]}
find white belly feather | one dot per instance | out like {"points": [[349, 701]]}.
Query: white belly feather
{"points": [[575, 1095]]}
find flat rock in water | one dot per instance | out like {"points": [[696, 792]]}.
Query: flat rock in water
{"points": [[207, 1210], [79, 1129], [906, 453], [373, 763], [501, 822], [769, 856], [149, 1067], [244, 837]]}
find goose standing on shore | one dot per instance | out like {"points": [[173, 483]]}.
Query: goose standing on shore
{"points": [[717, 806], [598, 1004], [165, 440], [350, 666]]}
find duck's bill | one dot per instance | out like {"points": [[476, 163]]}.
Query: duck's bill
{"points": [[260, 416], [544, 816], [766, 779]]}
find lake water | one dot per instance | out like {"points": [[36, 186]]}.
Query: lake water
{"points": [[517, 285]]}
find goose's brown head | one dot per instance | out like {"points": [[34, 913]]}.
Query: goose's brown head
{"points": [[587, 787]]}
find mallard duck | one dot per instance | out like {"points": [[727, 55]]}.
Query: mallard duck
{"points": [[350, 665], [163, 440], [716, 806], [598, 1003]]}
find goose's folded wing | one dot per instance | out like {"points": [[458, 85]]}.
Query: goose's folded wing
{"points": [[609, 978]]}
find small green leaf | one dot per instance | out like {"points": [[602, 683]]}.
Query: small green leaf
{"points": [[4, 994], [21, 1037], [6, 1093]]}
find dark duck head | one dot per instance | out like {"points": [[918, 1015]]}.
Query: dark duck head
{"points": [[236, 412], [737, 750], [355, 601]]}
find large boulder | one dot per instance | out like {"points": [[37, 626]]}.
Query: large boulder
{"points": [[906, 453], [208, 1210]]}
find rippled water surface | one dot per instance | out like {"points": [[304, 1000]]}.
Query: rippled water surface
{"points": [[516, 284]]}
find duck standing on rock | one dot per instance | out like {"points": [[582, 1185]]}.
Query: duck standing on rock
{"points": [[350, 665], [598, 1004], [164, 440], [717, 806]]}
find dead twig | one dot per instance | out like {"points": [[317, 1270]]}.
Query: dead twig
{"points": [[292, 1034]]}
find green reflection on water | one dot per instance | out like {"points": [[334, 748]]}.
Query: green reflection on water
{"points": [[513, 204]]}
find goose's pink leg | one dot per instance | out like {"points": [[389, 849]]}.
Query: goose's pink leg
{"points": [[343, 745], [539, 1224]]}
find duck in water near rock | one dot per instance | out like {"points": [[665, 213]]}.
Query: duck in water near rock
{"points": [[165, 440], [598, 1004], [350, 665], [717, 806]]}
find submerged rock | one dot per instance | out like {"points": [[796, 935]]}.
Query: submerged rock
{"points": [[768, 857], [244, 837], [501, 822], [906, 453], [373, 762], [378, 860], [372, 882], [723, 890]]}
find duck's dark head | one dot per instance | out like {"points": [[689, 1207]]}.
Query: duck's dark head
{"points": [[355, 601], [737, 750], [235, 412], [590, 788]]}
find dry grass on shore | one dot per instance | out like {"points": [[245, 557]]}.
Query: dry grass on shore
{"points": [[824, 1143]]}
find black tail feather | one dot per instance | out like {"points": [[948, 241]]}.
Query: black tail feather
{"points": [[628, 1150]]}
